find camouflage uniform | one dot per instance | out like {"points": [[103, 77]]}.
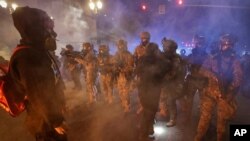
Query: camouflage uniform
{"points": [[105, 65], [138, 54], [124, 68], [224, 75], [72, 66], [173, 79], [89, 61], [194, 80]]}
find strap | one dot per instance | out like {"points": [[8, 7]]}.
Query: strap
{"points": [[18, 49]]}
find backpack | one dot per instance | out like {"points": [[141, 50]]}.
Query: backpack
{"points": [[8, 99]]}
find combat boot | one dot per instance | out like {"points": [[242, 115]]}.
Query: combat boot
{"points": [[171, 123]]}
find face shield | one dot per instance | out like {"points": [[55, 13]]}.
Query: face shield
{"points": [[145, 38], [225, 46], [226, 43], [122, 45], [86, 47], [103, 50], [169, 46], [50, 34]]}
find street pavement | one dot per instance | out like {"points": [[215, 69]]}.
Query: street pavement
{"points": [[104, 122]]}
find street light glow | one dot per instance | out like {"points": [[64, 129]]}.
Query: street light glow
{"points": [[14, 6], [144, 7], [3, 3], [180, 2], [91, 5], [99, 4]]}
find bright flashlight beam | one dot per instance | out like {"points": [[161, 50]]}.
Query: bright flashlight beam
{"points": [[159, 130], [3, 4]]}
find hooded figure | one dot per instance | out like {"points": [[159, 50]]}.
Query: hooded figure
{"points": [[36, 76], [150, 68]]}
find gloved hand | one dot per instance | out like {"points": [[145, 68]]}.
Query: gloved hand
{"points": [[61, 129]]}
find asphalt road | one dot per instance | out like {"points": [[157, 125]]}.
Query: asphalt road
{"points": [[103, 122]]}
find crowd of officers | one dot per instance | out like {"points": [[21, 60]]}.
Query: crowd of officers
{"points": [[161, 78]]}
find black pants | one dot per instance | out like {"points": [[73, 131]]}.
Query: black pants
{"points": [[149, 95], [39, 128]]}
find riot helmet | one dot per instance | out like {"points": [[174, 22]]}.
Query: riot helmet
{"points": [[198, 41], [169, 46], [69, 47], [226, 42], [122, 45], [87, 47]]}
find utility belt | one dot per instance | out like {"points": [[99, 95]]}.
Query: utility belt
{"points": [[198, 82]]}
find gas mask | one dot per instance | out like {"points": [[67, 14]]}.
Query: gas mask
{"points": [[144, 41], [122, 48], [50, 43], [122, 45], [169, 46], [225, 47], [103, 50], [145, 38], [86, 48], [35, 27], [50, 40], [227, 44]]}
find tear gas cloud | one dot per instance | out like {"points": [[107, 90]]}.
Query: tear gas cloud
{"points": [[126, 20], [182, 22]]}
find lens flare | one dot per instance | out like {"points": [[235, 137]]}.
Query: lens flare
{"points": [[14, 6], [3, 4], [99, 4], [91, 5], [159, 130]]}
